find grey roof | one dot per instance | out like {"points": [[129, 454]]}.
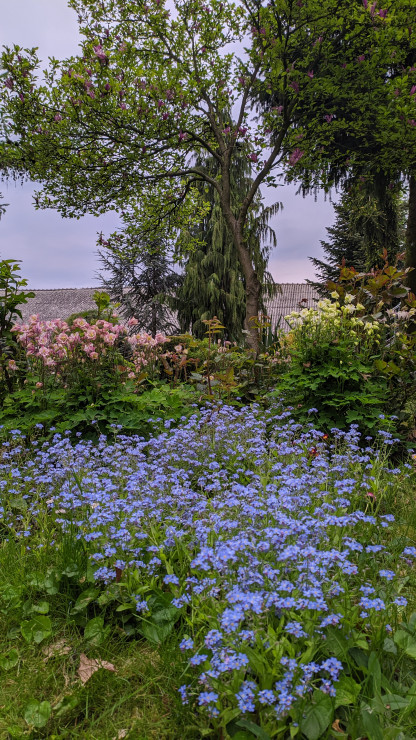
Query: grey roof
{"points": [[62, 302], [290, 297], [58, 303]]}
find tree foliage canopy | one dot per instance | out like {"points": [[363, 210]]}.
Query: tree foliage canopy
{"points": [[121, 125]]}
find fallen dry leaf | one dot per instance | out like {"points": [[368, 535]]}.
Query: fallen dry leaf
{"points": [[88, 666], [120, 735], [57, 648], [337, 727]]}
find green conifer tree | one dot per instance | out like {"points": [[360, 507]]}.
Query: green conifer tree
{"points": [[369, 219], [214, 283], [140, 277]]}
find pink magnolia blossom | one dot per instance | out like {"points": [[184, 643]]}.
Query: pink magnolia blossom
{"points": [[296, 155], [100, 53]]}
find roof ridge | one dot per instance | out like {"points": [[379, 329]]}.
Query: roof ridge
{"points": [[96, 287], [87, 287]]}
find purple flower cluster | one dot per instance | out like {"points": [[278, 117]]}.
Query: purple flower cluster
{"points": [[230, 513]]}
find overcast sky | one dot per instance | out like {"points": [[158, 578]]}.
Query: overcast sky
{"points": [[57, 252]]}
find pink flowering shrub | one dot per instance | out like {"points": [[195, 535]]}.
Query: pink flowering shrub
{"points": [[88, 354], [54, 343], [147, 351]]}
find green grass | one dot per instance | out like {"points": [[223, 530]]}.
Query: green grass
{"points": [[138, 700]]}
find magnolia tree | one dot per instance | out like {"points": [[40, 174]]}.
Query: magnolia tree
{"points": [[156, 84]]}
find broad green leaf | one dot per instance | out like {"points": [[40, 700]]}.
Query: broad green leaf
{"points": [[347, 691], [36, 629], [318, 715], [374, 670], [41, 608], [395, 702], [84, 599], [9, 659], [406, 642], [37, 713], [95, 632], [371, 725], [156, 632], [336, 644], [389, 646], [254, 729], [257, 662]]}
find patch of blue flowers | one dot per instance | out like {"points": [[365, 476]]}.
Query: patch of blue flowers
{"points": [[262, 533]]}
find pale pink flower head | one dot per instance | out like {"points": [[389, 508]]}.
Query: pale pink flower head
{"points": [[80, 323], [296, 155], [132, 322]]}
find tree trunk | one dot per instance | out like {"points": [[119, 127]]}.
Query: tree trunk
{"points": [[253, 290], [411, 235], [154, 320], [253, 286]]}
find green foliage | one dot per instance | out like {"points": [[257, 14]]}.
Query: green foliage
{"points": [[12, 296], [84, 412], [105, 310], [331, 367], [355, 360], [141, 279], [120, 125], [361, 231], [214, 282]]}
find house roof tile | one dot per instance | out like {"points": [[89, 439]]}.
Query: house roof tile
{"points": [[60, 303]]}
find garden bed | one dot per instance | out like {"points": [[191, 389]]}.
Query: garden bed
{"points": [[238, 576]]}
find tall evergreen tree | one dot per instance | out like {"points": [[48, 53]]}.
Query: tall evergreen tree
{"points": [[214, 283], [369, 219], [141, 279]]}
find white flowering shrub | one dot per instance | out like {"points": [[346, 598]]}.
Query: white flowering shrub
{"points": [[333, 351]]}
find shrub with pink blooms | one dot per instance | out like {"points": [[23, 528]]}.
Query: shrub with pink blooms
{"points": [[88, 354], [81, 355]]}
